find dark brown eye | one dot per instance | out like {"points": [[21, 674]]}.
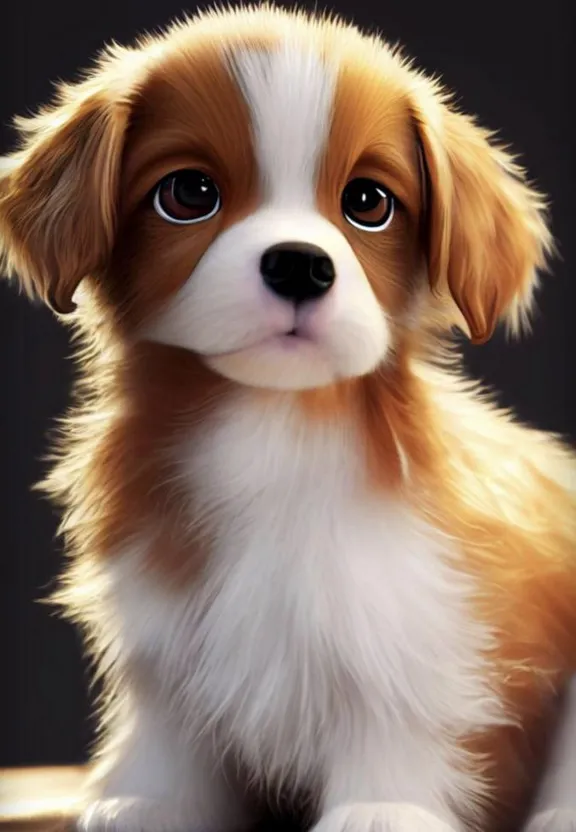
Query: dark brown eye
{"points": [[186, 197], [367, 205]]}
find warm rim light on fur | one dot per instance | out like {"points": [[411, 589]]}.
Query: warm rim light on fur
{"points": [[201, 432]]}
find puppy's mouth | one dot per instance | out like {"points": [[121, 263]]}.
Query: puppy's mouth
{"points": [[290, 337]]}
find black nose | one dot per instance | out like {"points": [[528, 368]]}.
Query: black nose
{"points": [[297, 271]]}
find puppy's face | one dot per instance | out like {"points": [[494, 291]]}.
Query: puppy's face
{"points": [[275, 195], [276, 205]]}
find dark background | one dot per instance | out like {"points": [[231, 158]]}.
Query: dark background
{"points": [[510, 63]]}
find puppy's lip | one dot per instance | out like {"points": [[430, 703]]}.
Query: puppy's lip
{"points": [[288, 338]]}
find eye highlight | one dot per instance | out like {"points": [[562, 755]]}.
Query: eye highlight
{"points": [[186, 197], [367, 205]]}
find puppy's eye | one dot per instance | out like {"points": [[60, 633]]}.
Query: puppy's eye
{"points": [[367, 205], [186, 197]]}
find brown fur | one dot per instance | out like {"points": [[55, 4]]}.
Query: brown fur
{"points": [[487, 227], [376, 141], [189, 115], [58, 199], [73, 205]]}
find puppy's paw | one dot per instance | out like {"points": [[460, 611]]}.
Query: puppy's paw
{"points": [[132, 815], [381, 817], [553, 820]]}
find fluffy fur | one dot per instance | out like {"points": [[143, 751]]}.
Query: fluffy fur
{"points": [[318, 564]]}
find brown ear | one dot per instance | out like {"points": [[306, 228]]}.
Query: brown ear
{"points": [[487, 232], [58, 193]]}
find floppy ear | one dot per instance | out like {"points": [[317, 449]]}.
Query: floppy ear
{"points": [[58, 192], [486, 229]]}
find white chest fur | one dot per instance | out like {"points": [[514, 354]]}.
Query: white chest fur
{"points": [[329, 615]]}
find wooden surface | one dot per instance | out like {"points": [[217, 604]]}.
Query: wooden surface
{"points": [[39, 799]]}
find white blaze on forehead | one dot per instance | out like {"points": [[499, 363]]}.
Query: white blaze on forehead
{"points": [[290, 92]]}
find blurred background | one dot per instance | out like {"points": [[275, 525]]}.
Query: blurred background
{"points": [[509, 62]]}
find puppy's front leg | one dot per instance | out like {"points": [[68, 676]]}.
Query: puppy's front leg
{"points": [[389, 783], [155, 780]]}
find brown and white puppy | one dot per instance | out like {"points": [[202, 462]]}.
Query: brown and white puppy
{"points": [[307, 554]]}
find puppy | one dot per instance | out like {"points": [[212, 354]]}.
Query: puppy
{"points": [[309, 556]]}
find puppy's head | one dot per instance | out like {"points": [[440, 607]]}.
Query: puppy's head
{"points": [[283, 197]]}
